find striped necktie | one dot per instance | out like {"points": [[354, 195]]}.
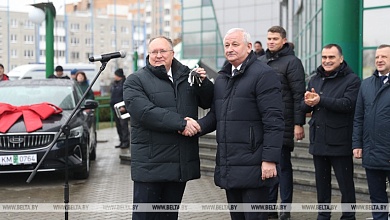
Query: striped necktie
{"points": [[235, 72], [383, 79]]}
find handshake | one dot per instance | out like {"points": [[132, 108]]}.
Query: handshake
{"points": [[191, 129]]}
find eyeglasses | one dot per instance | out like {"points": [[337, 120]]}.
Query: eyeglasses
{"points": [[162, 52]]}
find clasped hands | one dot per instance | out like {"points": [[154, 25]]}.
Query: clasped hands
{"points": [[311, 98], [191, 129]]}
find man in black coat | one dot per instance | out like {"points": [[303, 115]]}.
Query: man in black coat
{"points": [[122, 125], [59, 73], [259, 51], [330, 98], [247, 114], [160, 99], [281, 57]]}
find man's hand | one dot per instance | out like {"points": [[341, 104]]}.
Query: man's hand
{"points": [[192, 127], [202, 73], [268, 170], [357, 153], [299, 132], [122, 109], [311, 98]]}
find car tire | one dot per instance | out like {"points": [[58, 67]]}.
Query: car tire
{"points": [[92, 156], [83, 172]]}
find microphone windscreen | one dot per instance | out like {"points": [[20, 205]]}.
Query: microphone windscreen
{"points": [[123, 53]]}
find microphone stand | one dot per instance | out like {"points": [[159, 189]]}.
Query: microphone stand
{"points": [[65, 129]]}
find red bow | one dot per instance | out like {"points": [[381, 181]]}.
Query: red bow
{"points": [[32, 114]]}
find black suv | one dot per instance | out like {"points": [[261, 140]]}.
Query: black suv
{"points": [[20, 150]]}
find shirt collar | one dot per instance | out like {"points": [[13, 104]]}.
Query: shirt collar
{"points": [[169, 73], [238, 68]]}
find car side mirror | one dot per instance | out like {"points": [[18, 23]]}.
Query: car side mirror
{"points": [[90, 104]]}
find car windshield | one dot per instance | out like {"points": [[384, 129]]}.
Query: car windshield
{"points": [[60, 96]]}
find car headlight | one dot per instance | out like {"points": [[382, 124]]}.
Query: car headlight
{"points": [[74, 133]]}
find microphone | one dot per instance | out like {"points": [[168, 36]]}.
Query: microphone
{"points": [[108, 56]]}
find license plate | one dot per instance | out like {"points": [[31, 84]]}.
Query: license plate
{"points": [[18, 159]]}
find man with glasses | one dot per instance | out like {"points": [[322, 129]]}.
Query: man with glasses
{"points": [[163, 105]]}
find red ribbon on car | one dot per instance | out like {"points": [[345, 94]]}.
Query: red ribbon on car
{"points": [[32, 115]]}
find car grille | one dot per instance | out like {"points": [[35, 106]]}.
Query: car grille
{"points": [[25, 141]]}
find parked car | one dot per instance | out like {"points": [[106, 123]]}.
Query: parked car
{"points": [[20, 150]]}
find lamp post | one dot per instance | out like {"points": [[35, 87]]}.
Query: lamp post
{"points": [[50, 13]]}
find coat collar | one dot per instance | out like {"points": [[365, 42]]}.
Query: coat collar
{"points": [[226, 69], [178, 70], [342, 70]]}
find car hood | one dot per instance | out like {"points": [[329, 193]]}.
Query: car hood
{"points": [[51, 124]]}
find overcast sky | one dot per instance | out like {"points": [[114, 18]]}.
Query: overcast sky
{"points": [[25, 5]]}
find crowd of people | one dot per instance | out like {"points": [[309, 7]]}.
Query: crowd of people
{"points": [[258, 106]]}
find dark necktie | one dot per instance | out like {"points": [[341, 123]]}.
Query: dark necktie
{"points": [[383, 78], [235, 72]]}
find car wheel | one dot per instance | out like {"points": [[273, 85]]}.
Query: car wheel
{"points": [[83, 173], [92, 156]]}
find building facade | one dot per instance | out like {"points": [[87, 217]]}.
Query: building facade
{"points": [[87, 28], [96, 27], [358, 26]]}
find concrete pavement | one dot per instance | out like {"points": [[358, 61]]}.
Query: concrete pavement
{"points": [[110, 182], [204, 190]]}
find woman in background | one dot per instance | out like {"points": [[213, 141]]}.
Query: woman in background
{"points": [[81, 79]]}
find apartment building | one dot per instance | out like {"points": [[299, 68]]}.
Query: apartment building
{"points": [[87, 28]]}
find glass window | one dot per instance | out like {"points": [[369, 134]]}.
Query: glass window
{"points": [[206, 2], [192, 3], [209, 50], [207, 12], [375, 3], [374, 35], [209, 37], [194, 38], [191, 13], [368, 63], [191, 52], [191, 26], [209, 25]]}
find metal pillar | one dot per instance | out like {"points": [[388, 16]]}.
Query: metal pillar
{"points": [[50, 13], [341, 26], [49, 41]]}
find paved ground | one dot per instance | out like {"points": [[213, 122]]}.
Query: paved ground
{"points": [[110, 182]]}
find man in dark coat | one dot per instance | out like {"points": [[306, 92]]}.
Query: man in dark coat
{"points": [[59, 73], [259, 51], [159, 99], [122, 125], [281, 57], [331, 97], [371, 129], [247, 114]]}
